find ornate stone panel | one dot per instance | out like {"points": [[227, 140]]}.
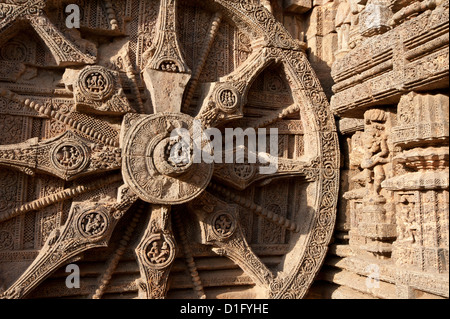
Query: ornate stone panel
{"points": [[390, 80], [404, 54], [91, 172]]}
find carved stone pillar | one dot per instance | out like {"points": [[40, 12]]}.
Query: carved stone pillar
{"points": [[399, 209], [352, 129], [356, 7], [373, 227]]}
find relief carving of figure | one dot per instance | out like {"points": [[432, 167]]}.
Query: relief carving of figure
{"points": [[407, 224], [93, 224], [158, 255], [376, 153]]}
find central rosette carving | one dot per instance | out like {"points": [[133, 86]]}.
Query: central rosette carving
{"points": [[160, 166]]}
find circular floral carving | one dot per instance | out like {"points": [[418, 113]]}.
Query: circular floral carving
{"points": [[315, 251], [328, 199], [317, 97], [276, 84], [247, 6], [14, 51], [309, 81], [308, 265], [261, 16], [329, 171], [282, 39], [301, 281], [325, 218], [289, 295], [244, 171], [276, 285], [223, 224], [320, 236]]}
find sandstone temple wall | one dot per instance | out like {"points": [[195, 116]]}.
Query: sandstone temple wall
{"points": [[384, 66], [357, 89]]}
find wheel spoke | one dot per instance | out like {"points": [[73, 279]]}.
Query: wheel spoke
{"points": [[63, 50], [131, 74], [223, 100], [256, 209], [15, 12], [89, 225], [241, 176], [221, 228], [67, 156], [275, 116], [59, 197], [202, 60], [167, 67], [62, 118], [155, 254], [115, 259], [190, 262]]}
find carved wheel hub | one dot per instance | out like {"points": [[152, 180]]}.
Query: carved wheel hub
{"points": [[161, 168], [98, 142]]}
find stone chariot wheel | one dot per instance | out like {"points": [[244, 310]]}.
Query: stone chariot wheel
{"points": [[100, 179]]}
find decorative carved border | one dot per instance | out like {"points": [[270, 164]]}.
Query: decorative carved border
{"points": [[317, 115]]}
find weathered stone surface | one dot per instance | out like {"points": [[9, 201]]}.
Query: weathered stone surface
{"points": [[90, 174], [394, 118], [297, 6], [383, 67], [90, 164]]}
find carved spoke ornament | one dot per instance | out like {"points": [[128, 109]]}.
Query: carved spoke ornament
{"points": [[90, 172]]}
